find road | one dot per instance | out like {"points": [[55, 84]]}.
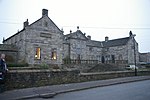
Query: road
{"points": [[128, 91]]}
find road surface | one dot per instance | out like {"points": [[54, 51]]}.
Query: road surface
{"points": [[128, 91]]}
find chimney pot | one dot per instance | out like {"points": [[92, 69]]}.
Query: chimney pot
{"points": [[77, 27], [70, 31], [89, 37], [106, 38], [130, 33]]}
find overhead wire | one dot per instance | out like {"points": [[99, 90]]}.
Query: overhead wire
{"points": [[137, 28]]}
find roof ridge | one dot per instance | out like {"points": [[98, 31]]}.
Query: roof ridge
{"points": [[117, 39]]}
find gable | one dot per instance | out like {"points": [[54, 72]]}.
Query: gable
{"points": [[45, 24], [76, 35], [42, 24]]}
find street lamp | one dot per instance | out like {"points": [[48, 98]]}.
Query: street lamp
{"points": [[134, 42]]}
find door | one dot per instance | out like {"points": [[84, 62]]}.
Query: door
{"points": [[103, 59]]}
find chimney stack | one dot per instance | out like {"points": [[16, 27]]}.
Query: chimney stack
{"points": [[106, 38], [26, 23], [44, 12]]}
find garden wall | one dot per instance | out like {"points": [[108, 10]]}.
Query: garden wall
{"points": [[34, 78]]}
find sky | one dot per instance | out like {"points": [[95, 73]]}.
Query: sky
{"points": [[97, 18]]}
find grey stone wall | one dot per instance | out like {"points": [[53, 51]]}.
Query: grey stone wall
{"points": [[34, 78], [43, 34], [131, 54], [47, 38], [18, 40], [93, 53], [78, 48]]}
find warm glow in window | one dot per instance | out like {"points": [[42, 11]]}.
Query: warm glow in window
{"points": [[38, 53], [54, 54]]}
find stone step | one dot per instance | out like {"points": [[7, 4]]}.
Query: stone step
{"points": [[23, 68]]}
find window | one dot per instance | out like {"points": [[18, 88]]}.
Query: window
{"points": [[38, 53], [98, 57], [90, 49], [54, 54], [113, 58]]}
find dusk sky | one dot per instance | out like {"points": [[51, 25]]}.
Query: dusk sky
{"points": [[98, 18]]}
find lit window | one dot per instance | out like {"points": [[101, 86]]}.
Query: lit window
{"points": [[54, 54], [38, 53]]}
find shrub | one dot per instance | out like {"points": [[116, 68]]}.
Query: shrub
{"points": [[56, 67], [67, 60], [147, 65], [44, 66]]}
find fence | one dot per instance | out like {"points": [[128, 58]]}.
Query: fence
{"points": [[117, 61], [75, 61]]}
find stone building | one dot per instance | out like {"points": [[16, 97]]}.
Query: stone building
{"points": [[121, 51], [43, 42], [144, 58], [39, 42]]}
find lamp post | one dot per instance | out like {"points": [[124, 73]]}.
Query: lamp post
{"points": [[134, 54]]}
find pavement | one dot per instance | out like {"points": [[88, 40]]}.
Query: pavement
{"points": [[51, 91]]}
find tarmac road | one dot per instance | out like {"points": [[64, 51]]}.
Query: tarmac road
{"points": [[127, 91]]}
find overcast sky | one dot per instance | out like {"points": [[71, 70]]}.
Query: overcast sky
{"points": [[98, 18]]}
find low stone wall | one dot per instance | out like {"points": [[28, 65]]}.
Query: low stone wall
{"points": [[35, 78]]}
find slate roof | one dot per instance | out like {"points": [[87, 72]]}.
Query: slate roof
{"points": [[116, 42], [109, 43], [93, 43]]}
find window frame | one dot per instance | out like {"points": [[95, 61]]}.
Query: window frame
{"points": [[37, 55]]}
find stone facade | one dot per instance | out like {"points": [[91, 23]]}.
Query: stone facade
{"points": [[41, 38], [144, 58], [120, 51], [43, 42]]}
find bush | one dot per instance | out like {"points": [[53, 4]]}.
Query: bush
{"points": [[44, 66], [147, 65], [67, 60], [56, 67]]}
